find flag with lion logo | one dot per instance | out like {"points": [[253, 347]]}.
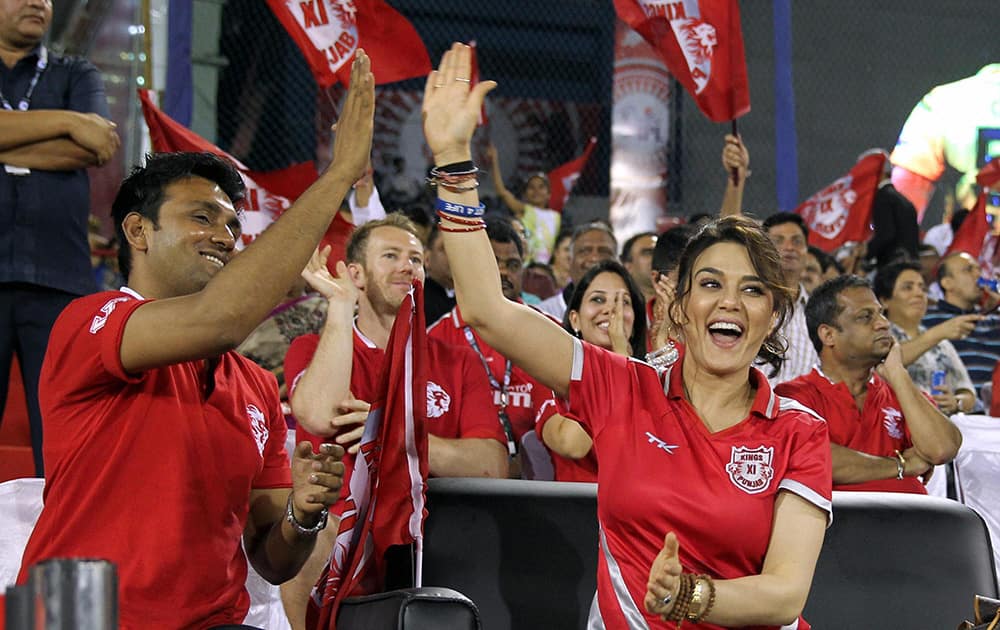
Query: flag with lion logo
{"points": [[702, 44], [386, 506]]}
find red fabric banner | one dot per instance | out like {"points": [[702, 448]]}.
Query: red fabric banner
{"points": [[329, 31], [263, 204], [701, 42], [386, 506], [972, 233], [563, 178], [842, 211]]}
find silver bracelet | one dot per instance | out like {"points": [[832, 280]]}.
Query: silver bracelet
{"points": [[299, 527], [664, 357]]}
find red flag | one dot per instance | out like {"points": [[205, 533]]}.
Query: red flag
{"points": [[562, 178], [263, 205], [702, 44], [474, 79], [386, 506], [842, 211], [329, 31], [972, 233]]}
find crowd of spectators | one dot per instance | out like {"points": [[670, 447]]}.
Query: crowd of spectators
{"points": [[884, 344]]}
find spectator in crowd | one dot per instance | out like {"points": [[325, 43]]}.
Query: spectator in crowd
{"points": [[637, 256], [540, 222], [790, 236], [539, 283], [942, 234], [812, 270], [516, 395], [331, 395], [902, 291], [894, 219], [53, 126], [141, 387], [958, 276], [561, 257], [884, 433], [696, 422], [590, 244], [603, 312], [439, 288], [736, 163]]}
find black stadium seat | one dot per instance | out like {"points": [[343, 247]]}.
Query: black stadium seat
{"points": [[526, 553]]}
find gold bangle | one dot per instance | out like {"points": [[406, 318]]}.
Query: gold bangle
{"points": [[694, 610], [900, 465]]}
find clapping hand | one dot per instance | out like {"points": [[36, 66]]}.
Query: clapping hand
{"points": [[316, 478], [339, 289]]}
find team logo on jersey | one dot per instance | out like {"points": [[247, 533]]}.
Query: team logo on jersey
{"points": [[750, 468], [258, 424], [106, 310], [438, 400], [893, 422]]}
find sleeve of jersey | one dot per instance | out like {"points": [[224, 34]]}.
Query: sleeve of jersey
{"points": [[86, 90], [276, 472], [545, 411], [598, 381], [85, 344], [920, 147], [478, 417], [810, 468]]}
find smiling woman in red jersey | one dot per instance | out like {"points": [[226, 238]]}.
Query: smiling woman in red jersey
{"points": [[713, 493]]}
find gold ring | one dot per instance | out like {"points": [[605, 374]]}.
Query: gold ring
{"points": [[462, 80]]}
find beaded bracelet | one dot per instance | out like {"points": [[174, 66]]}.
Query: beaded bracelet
{"points": [[458, 210], [682, 604]]}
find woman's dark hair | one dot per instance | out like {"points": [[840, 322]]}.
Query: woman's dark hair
{"points": [[142, 191], [637, 340], [766, 263], [885, 278]]}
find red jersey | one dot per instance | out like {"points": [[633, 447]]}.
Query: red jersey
{"points": [[151, 472], [566, 469], [524, 394], [879, 429], [661, 470], [456, 392]]}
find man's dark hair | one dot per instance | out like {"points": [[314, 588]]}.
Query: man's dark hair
{"points": [[142, 191], [501, 230], [942, 266], [885, 277], [630, 243], [824, 308], [780, 218], [669, 247]]}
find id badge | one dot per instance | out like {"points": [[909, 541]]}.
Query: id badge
{"points": [[16, 170]]}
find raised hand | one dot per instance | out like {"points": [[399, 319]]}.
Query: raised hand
{"points": [[736, 156], [616, 325], [664, 578], [451, 108], [316, 478], [339, 289], [352, 144]]}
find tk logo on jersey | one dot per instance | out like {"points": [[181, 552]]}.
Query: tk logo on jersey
{"points": [[750, 468]]}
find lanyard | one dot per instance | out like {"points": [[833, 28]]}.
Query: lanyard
{"points": [[22, 105], [508, 430]]}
